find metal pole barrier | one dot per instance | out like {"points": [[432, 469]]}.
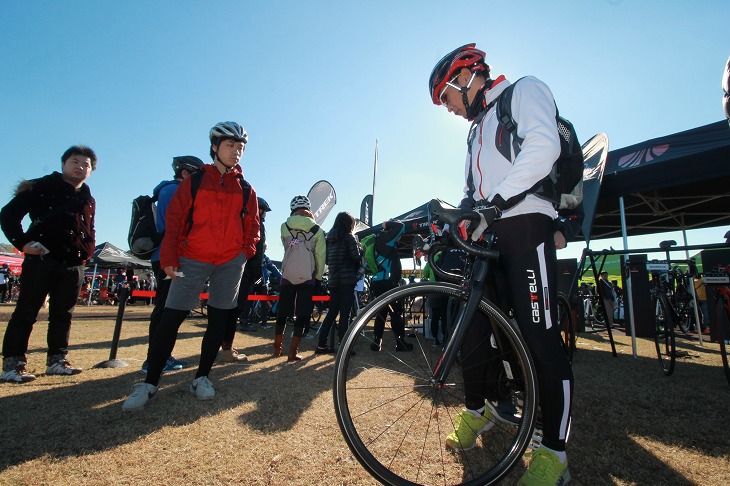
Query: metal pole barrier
{"points": [[113, 362]]}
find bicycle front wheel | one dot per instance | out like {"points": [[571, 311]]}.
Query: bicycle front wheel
{"points": [[395, 418], [663, 335]]}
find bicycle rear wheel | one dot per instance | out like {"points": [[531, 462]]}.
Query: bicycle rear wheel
{"points": [[663, 335], [567, 329], [395, 419]]}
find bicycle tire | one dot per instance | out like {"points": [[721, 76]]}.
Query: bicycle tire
{"points": [[664, 335], [395, 419], [567, 327], [722, 332], [598, 314]]}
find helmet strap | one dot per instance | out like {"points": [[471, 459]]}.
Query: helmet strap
{"points": [[479, 103], [465, 89], [217, 147]]}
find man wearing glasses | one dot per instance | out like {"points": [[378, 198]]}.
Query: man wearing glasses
{"points": [[502, 169]]}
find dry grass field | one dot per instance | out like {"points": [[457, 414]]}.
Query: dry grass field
{"points": [[272, 423]]}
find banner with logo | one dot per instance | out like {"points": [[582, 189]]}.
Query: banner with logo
{"points": [[323, 198], [366, 210]]}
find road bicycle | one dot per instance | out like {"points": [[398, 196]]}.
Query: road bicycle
{"points": [[593, 314], [721, 278], [396, 408], [670, 307]]}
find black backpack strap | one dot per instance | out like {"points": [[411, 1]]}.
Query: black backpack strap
{"points": [[195, 179], [504, 116], [246, 187], [313, 230], [288, 228]]}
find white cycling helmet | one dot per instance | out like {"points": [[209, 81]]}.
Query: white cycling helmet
{"points": [[228, 130], [300, 202]]}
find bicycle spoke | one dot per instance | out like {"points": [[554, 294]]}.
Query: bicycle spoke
{"points": [[396, 418]]}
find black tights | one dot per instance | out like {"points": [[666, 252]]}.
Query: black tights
{"points": [[527, 283], [163, 341]]}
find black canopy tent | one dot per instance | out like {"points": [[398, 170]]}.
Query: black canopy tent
{"points": [[675, 182], [107, 255]]}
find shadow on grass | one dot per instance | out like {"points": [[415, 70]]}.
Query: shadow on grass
{"points": [[63, 417], [628, 418]]}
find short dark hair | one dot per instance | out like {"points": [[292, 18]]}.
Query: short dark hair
{"points": [[82, 150]]}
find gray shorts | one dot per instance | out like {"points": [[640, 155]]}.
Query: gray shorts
{"points": [[223, 289]]}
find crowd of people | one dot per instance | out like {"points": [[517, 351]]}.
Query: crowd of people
{"points": [[212, 237]]}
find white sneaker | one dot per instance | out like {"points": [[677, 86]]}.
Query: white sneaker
{"points": [[62, 367], [232, 356], [17, 373], [141, 394], [202, 388]]}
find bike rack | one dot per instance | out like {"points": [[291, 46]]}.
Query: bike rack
{"points": [[588, 253]]}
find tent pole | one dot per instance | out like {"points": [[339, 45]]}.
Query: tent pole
{"points": [[628, 278], [693, 291]]}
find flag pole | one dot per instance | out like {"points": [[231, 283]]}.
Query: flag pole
{"points": [[375, 171]]}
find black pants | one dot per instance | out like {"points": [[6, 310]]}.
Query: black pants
{"points": [[438, 317], [341, 300], [527, 282], [43, 277], [295, 300], [379, 287], [163, 341], [243, 308], [163, 288]]}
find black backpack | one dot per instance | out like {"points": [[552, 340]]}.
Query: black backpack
{"points": [[563, 186], [143, 237]]}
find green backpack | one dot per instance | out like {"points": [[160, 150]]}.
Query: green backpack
{"points": [[369, 256]]}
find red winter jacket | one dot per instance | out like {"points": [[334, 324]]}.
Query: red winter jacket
{"points": [[218, 234]]}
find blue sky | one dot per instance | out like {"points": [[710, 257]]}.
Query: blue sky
{"points": [[315, 83]]}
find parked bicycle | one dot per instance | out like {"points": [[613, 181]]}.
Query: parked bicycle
{"points": [[395, 409], [721, 278], [671, 308]]}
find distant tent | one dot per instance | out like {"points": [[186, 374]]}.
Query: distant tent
{"points": [[107, 255], [15, 261]]}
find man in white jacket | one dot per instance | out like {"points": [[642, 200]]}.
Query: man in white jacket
{"points": [[500, 174]]}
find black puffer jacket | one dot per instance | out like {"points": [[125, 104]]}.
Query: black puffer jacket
{"points": [[343, 260], [62, 218]]}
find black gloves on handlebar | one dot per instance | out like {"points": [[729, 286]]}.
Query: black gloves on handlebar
{"points": [[487, 215]]}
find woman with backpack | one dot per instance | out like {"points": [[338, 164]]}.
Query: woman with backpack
{"points": [[343, 260], [301, 270]]}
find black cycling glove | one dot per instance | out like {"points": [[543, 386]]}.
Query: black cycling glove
{"points": [[487, 215]]}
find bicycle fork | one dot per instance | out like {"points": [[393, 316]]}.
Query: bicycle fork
{"points": [[463, 320]]}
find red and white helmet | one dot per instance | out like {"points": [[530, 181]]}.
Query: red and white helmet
{"points": [[466, 56]]}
